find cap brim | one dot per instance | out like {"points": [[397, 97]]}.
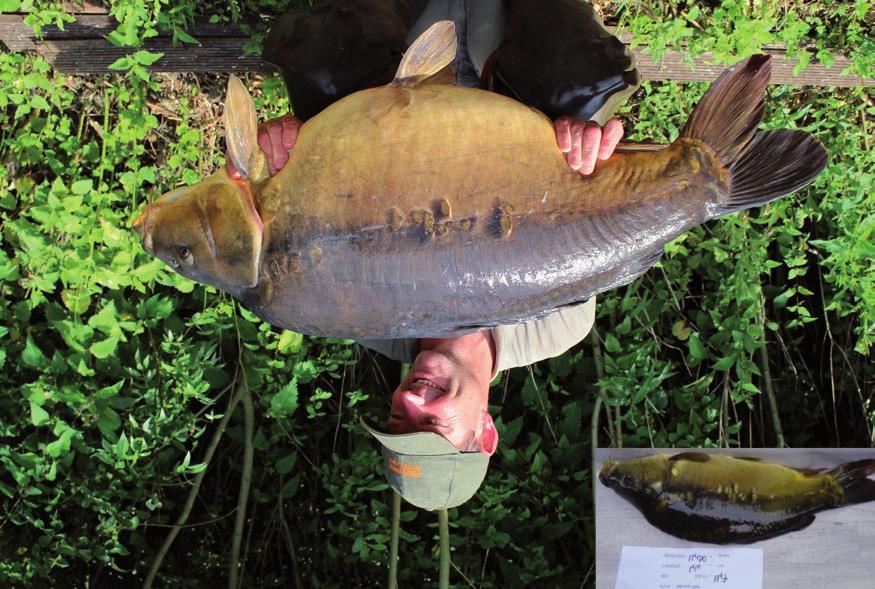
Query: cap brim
{"points": [[417, 443]]}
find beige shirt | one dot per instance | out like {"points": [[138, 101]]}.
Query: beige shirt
{"points": [[519, 344]]}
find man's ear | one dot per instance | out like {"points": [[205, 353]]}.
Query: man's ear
{"points": [[488, 434]]}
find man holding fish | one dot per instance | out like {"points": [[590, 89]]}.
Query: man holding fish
{"points": [[440, 434], [477, 244]]}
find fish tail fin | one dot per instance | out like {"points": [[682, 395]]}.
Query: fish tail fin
{"points": [[854, 479], [762, 166]]}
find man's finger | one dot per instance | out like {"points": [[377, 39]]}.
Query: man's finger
{"points": [[290, 131], [232, 170], [563, 134], [575, 155], [264, 144], [275, 131], [592, 136], [611, 135]]}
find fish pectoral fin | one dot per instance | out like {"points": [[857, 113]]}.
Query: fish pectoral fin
{"points": [[428, 55], [644, 263], [241, 127], [690, 457]]}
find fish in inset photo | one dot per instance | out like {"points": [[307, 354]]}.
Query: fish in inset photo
{"points": [[723, 499]]}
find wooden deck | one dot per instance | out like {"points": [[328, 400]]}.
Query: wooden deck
{"points": [[81, 48], [837, 550]]}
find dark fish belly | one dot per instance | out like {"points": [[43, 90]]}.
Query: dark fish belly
{"points": [[453, 276], [721, 523]]}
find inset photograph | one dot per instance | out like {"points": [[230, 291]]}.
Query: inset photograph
{"points": [[735, 518]]}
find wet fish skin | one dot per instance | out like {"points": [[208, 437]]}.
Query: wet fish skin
{"points": [[424, 210], [721, 499]]}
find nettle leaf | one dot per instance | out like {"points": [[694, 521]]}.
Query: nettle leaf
{"points": [[147, 58], [81, 187], [285, 401], [104, 348], [109, 422], [291, 487], [122, 63], [105, 320], [38, 415], [286, 464], [33, 356], [697, 349]]}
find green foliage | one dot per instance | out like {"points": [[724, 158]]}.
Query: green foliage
{"points": [[116, 371]]}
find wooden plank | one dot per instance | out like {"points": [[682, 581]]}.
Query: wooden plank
{"points": [[82, 49], [835, 551]]}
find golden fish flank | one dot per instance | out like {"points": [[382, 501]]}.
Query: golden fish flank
{"points": [[721, 499], [482, 224]]}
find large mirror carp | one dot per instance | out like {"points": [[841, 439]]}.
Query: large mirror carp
{"points": [[421, 209], [720, 499]]}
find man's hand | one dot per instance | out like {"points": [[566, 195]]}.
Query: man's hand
{"points": [[276, 138], [584, 141]]}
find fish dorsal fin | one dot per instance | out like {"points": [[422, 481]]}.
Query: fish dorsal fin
{"points": [[431, 52], [749, 458], [241, 126], [690, 457]]}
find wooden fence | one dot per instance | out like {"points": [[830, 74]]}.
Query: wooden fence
{"points": [[81, 48]]}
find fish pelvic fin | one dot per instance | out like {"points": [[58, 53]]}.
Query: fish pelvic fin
{"points": [[854, 479], [762, 166], [430, 53]]}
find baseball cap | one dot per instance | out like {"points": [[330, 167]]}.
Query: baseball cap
{"points": [[427, 470]]}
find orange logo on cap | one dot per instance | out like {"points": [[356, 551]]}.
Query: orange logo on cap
{"points": [[404, 469]]}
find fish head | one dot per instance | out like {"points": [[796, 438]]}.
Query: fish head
{"points": [[209, 232], [643, 475]]}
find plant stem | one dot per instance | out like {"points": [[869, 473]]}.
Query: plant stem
{"points": [[245, 482], [393, 542], [287, 535], [192, 494], [444, 533], [767, 377]]}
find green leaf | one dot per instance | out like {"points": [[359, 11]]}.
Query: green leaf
{"points": [[104, 348], [285, 401], [38, 415], [612, 344], [697, 350], [291, 487], [81, 187], [286, 464], [290, 342], [122, 63], [33, 356], [109, 422], [147, 58], [181, 35], [10, 5]]}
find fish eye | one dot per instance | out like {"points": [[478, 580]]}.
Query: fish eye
{"points": [[185, 256]]}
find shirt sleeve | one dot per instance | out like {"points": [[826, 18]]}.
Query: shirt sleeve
{"points": [[400, 350], [525, 343]]}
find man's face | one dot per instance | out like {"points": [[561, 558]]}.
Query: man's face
{"points": [[440, 394]]}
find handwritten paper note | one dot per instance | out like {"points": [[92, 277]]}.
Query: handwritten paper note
{"points": [[644, 567]]}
